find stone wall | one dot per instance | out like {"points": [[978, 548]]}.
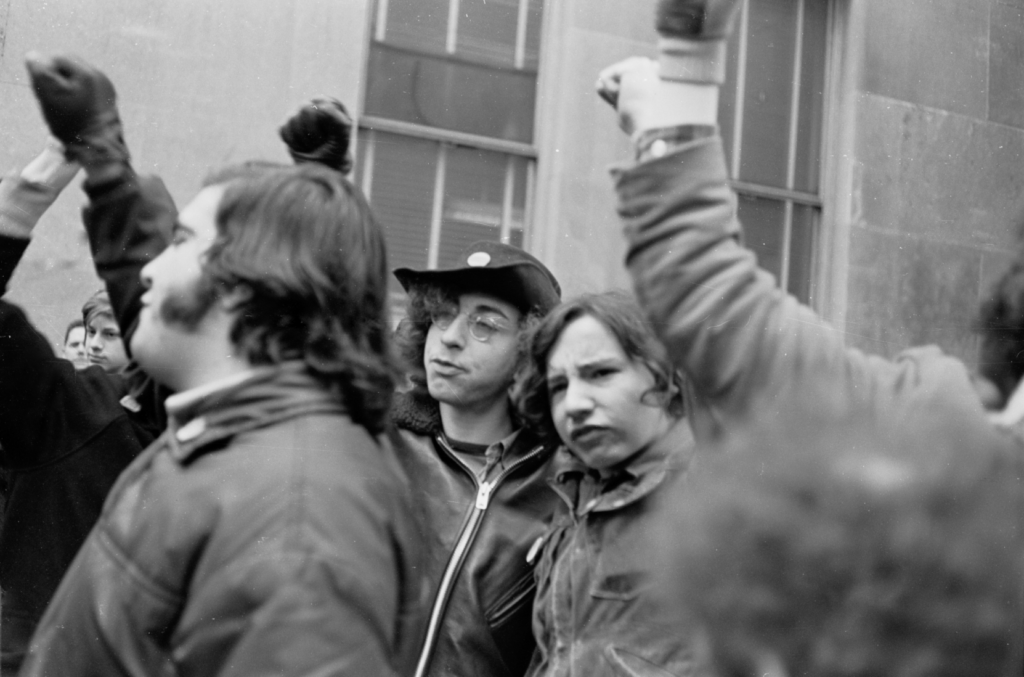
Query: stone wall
{"points": [[939, 169]]}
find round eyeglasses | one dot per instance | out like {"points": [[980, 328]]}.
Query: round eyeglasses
{"points": [[481, 327]]}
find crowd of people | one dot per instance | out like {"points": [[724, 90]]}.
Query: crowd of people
{"points": [[238, 466]]}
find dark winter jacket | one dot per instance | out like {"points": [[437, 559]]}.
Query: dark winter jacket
{"points": [[597, 611], [264, 533], [65, 435], [748, 347], [477, 538]]}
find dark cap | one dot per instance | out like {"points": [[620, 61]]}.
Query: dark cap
{"points": [[500, 270]]}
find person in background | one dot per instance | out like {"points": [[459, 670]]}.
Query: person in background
{"points": [[65, 434], [599, 383], [74, 344], [480, 477], [103, 344]]}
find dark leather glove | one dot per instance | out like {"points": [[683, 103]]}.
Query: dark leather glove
{"points": [[692, 40], [79, 106], [320, 131]]}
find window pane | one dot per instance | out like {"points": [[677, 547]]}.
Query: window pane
{"points": [[534, 12], [402, 195], [519, 191], [763, 221], [417, 24], [443, 92], [769, 85], [801, 251], [487, 30], [812, 97], [474, 199]]}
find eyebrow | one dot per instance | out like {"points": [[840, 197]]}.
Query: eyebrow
{"points": [[484, 308]]}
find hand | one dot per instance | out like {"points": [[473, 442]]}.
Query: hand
{"points": [[693, 36], [696, 19], [77, 100], [320, 131], [51, 169], [643, 100]]}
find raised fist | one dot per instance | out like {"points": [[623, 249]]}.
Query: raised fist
{"points": [[78, 101], [320, 131], [692, 38]]}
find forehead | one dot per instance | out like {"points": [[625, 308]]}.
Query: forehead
{"points": [[584, 341], [101, 321], [471, 302], [200, 215]]}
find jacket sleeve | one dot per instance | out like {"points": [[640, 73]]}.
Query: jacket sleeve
{"points": [[46, 409], [747, 346], [128, 220]]}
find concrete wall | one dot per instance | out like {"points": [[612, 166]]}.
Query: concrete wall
{"points": [[200, 84], [939, 168], [577, 232]]}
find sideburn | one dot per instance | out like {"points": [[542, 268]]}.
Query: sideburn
{"points": [[188, 309]]}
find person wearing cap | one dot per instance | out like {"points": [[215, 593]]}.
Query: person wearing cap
{"points": [[479, 477]]}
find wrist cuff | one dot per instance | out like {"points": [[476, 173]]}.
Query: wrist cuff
{"points": [[700, 61]]}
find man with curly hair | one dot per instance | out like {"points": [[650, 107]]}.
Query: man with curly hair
{"points": [[480, 479], [268, 530]]}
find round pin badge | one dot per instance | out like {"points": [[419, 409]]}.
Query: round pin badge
{"points": [[479, 259]]}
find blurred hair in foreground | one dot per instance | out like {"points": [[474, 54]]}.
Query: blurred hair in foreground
{"points": [[821, 545]]}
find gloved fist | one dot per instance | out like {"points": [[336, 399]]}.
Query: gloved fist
{"points": [[692, 39], [320, 131], [78, 101]]}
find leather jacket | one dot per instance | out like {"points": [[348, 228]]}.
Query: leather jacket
{"points": [[478, 535], [263, 534]]}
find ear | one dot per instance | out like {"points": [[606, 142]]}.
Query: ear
{"points": [[229, 300]]}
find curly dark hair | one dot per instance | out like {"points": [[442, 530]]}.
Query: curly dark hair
{"points": [[1001, 325], [303, 245], [851, 549], [424, 300], [622, 316]]}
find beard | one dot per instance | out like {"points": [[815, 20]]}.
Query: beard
{"points": [[187, 309]]}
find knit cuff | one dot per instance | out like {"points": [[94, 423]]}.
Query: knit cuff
{"points": [[699, 61]]}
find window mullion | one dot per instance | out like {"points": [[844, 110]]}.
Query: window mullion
{"points": [[520, 59], [508, 198], [368, 159], [437, 210], [787, 245], [453, 26], [741, 86], [794, 103], [380, 32]]}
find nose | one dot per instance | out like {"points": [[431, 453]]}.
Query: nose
{"points": [[578, 403], [455, 333]]}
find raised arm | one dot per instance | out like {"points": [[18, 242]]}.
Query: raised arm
{"points": [[129, 218], [748, 347]]}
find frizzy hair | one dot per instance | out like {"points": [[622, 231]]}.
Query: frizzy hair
{"points": [[621, 315], [424, 300], [308, 260]]}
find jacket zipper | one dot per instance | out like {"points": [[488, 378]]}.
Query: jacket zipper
{"points": [[484, 492]]}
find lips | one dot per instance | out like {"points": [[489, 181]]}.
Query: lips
{"points": [[445, 368], [587, 435]]}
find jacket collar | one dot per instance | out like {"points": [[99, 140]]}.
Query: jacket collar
{"points": [[254, 399], [638, 478]]}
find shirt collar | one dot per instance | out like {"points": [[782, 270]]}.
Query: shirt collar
{"points": [[644, 473]]}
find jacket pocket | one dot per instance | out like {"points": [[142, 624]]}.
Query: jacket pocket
{"points": [[622, 586], [629, 664]]}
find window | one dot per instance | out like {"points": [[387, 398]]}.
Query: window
{"points": [[446, 156], [771, 114]]}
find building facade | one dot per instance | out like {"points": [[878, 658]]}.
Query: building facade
{"points": [[877, 148]]}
